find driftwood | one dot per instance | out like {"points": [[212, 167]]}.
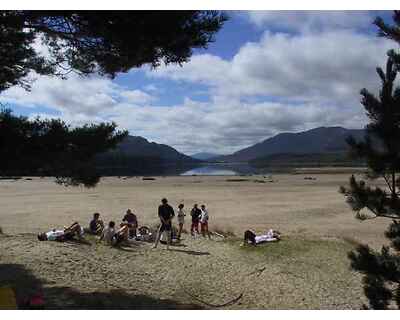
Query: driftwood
{"points": [[258, 271], [234, 300], [217, 234]]}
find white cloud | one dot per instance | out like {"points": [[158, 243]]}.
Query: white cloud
{"points": [[331, 66], [311, 21], [136, 96], [76, 95]]}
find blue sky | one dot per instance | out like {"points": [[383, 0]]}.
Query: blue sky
{"points": [[267, 72]]}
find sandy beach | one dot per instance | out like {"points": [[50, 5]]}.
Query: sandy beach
{"points": [[308, 269]]}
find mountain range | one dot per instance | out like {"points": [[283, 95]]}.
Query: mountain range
{"points": [[135, 146], [322, 140], [319, 145], [205, 155]]}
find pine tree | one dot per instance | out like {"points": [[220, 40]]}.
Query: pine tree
{"points": [[381, 149], [103, 42], [51, 148]]}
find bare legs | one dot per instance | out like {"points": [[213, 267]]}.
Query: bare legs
{"points": [[180, 227], [162, 229], [73, 229], [204, 230]]}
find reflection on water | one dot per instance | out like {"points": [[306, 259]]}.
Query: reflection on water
{"points": [[189, 169], [221, 170]]}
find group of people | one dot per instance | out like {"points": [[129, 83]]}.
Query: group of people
{"points": [[129, 226], [166, 214], [110, 234]]}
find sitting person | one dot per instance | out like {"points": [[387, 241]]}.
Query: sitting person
{"points": [[251, 237], [96, 226], [131, 221], [121, 235], [113, 237], [62, 235], [108, 233]]}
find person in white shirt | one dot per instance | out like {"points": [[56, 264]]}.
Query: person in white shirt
{"points": [[251, 237], [62, 235], [115, 237], [204, 222], [181, 219], [108, 233]]}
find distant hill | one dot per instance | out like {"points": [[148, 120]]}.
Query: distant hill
{"points": [[136, 155], [135, 146], [205, 155], [315, 141]]}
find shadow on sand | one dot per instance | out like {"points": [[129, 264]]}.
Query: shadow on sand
{"points": [[25, 285]]}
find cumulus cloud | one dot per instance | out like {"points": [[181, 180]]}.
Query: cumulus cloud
{"points": [[136, 96], [310, 21], [78, 95], [328, 66]]}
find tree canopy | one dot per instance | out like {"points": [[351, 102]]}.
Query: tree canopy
{"points": [[103, 42], [381, 149], [52, 148]]}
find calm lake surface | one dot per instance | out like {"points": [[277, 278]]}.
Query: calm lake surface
{"points": [[228, 169]]}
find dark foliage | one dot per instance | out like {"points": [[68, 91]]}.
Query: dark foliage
{"points": [[51, 148], [381, 150], [103, 42]]}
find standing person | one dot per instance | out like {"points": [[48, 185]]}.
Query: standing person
{"points": [[195, 213], [181, 219], [96, 226], [166, 213], [131, 219], [204, 221]]}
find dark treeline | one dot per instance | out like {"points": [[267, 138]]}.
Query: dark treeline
{"points": [[340, 159], [121, 164]]}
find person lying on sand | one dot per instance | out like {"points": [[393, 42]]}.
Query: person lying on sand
{"points": [[96, 226], [131, 219], [251, 237], [62, 235], [115, 237]]}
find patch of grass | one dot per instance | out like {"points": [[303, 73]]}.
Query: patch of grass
{"points": [[352, 241], [290, 248]]}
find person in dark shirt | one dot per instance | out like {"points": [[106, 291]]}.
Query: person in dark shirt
{"points": [[165, 213], [196, 214], [96, 226], [131, 221]]}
